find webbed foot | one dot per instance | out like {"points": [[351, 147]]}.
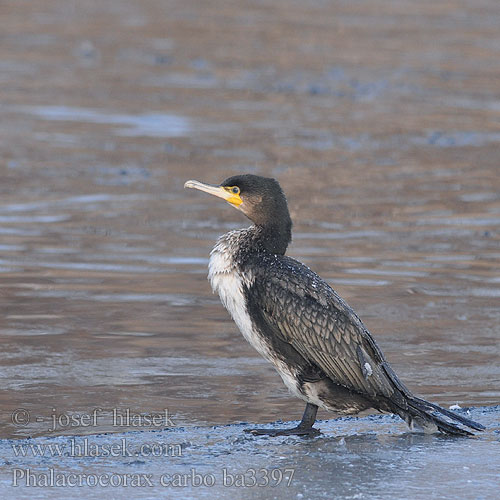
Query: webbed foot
{"points": [[294, 431]]}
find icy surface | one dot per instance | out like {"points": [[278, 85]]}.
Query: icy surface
{"points": [[370, 457]]}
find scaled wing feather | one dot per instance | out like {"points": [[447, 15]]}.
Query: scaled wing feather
{"points": [[307, 313]]}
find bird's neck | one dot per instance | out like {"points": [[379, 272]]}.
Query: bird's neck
{"points": [[233, 249], [273, 238]]}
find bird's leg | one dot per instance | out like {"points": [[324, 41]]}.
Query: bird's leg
{"points": [[305, 428]]}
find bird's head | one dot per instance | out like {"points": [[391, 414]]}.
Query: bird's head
{"points": [[261, 199]]}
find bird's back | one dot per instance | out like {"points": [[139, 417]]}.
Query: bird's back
{"points": [[304, 311]]}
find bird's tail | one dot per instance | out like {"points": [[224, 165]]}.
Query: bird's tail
{"points": [[426, 415], [420, 413]]}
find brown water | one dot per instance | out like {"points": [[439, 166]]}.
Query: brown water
{"points": [[381, 120]]}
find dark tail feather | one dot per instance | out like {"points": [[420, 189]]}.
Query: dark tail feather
{"points": [[423, 413], [450, 414]]}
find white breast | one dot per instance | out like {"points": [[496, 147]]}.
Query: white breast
{"points": [[229, 284]]}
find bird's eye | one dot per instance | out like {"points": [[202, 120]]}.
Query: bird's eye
{"points": [[235, 190]]}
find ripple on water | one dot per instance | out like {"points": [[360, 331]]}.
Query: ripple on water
{"points": [[42, 219], [150, 124], [69, 294], [461, 292], [486, 196], [366, 233], [389, 272], [32, 332], [88, 201], [358, 282]]}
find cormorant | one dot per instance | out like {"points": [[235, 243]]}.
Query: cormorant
{"points": [[294, 319]]}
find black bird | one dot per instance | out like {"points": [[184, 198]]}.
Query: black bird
{"points": [[295, 320]]}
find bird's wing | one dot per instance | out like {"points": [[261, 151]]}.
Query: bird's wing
{"points": [[308, 314]]}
